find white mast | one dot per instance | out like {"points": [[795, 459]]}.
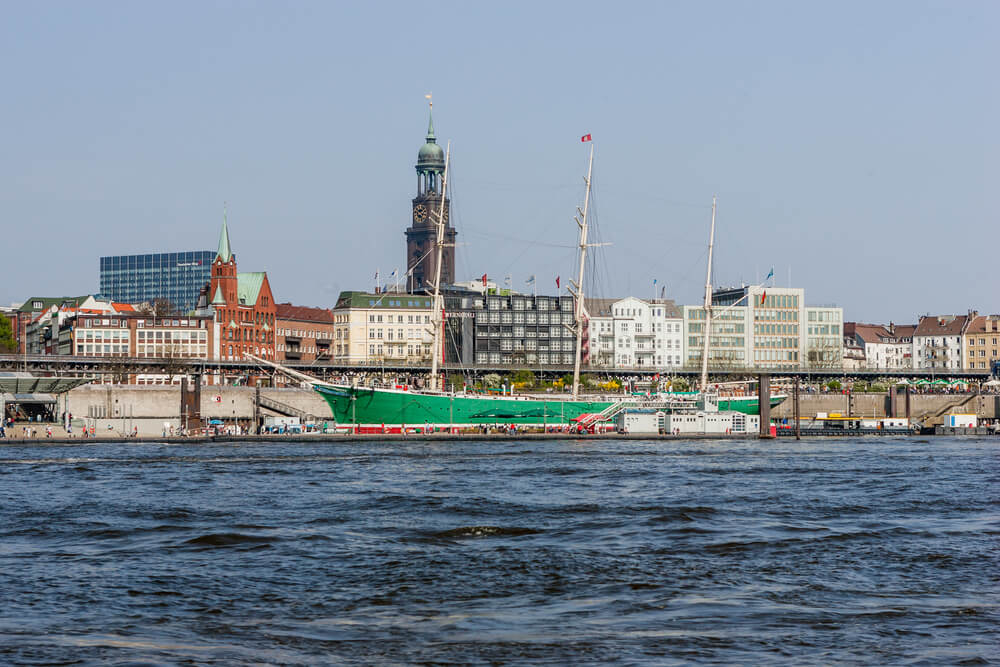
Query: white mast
{"points": [[581, 220], [708, 304], [437, 318]]}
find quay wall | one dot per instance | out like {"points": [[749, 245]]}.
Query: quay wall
{"points": [[164, 403], [227, 403], [930, 408]]}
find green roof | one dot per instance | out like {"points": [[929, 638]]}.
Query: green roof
{"points": [[49, 301], [352, 299], [217, 300], [248, 286]]}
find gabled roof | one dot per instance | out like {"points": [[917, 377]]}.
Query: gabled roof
{"points": [[248, 286], [49, 301], [941, 325], [286, 311], [217, 300], [978, 324]]}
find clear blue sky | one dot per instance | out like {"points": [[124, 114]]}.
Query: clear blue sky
{"points": [[853, 142]]}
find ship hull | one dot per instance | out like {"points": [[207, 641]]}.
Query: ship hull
{"points": [[365, 406]]}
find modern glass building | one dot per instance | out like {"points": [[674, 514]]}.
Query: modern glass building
{"points": [[175, 276]]}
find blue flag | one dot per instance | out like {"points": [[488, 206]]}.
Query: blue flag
{"points": [[770, 274]]}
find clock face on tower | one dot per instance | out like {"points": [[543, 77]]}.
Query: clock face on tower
{"points": [[419, 213]]}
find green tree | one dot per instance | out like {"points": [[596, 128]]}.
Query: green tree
{"points": [[7, 342], [524, 376]]}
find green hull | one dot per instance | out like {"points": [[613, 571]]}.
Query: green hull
{"points": [[379, 406]]}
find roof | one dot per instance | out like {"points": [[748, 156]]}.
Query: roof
{"points": [[217, 300], [978, 324], [122, 307], [879, 333], [248, 286], [352, 299], [286, 311], [224, 252], [25, 383], [49, 301], [941, 325], [598, 307]]}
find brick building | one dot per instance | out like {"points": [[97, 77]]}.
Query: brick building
{"points": [[303, 333], [244, 307]]}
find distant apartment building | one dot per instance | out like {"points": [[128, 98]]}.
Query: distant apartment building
{"points": [[633, 333], [884, 346], [303, 333], [176, 277], [982, 342], [385, 327], [730, 342], [777, 323], [937, 342], [104, 330]]}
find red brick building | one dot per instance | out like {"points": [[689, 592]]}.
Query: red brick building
{"points": [[244, 307], [303, 333]]}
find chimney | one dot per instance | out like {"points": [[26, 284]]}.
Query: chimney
{"points": [[892, 328]]}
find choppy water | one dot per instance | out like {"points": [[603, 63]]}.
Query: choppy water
{"points": [[826, 551]]}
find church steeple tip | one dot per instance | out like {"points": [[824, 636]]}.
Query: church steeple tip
{"points": [[430, 119], [225, 254]]}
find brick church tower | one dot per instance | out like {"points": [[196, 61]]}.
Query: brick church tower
{"points": [[421, 253]]}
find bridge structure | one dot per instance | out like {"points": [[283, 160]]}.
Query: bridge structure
{"points": [[104, 367]]}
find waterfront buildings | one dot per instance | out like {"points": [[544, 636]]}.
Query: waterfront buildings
{"points": [[937, 342], [176, 277], [982, 342], [883, 347], [421, 257], [243, 305], [303, 333], [631, 332], [382, 327]]}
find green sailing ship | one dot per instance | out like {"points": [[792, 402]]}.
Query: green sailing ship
{"points": [[364, 406]]}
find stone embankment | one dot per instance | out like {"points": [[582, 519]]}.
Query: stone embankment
{"points": [[151, 410]]}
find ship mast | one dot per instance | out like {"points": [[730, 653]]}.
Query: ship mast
{"points": [[437, 318], [581, 220], [708, 304]]}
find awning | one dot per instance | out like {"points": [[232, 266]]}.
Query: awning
{"points": [[25, 383]]}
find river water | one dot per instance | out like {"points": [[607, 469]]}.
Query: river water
{"points": [[818, 552]]}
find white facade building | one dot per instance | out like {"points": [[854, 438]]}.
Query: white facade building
{"points": [[633, 333]]}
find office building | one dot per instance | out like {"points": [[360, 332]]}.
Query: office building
{"points": [[176, 277]]}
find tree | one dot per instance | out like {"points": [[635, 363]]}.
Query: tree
{"points": [[491, 381], [159, 308], [7, 342]]}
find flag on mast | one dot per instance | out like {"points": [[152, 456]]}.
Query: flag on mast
{"points": [[557, 282], [585, 137], [530, 280], [770, 274], [762, 297], [484, 280]]}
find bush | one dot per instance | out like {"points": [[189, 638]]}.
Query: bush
{"points": [[834, 385], [492, 381]]}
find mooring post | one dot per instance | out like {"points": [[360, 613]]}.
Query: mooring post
{"points": [[798, 434], [256, 411], [891, 409], [906, 392], [764, 404]]}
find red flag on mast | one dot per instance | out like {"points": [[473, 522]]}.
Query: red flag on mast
{"points": [[762, 297], [484, 280], [585, 137], [557, 282]]}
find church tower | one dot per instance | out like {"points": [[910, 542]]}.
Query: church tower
{"points": [[224, 284], [421, 253]]}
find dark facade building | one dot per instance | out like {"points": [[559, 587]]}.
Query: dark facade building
{"points": [[174, 276], [501, 328], [421, 254]]}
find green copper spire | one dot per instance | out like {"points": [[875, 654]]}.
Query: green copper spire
{"points": [[224, 252], [430, 124]]}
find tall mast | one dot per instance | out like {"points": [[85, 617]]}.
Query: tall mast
{"points": [[581, 220], [437, 318], [708, 304]]}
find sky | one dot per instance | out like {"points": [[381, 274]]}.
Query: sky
{"points": [[853, 146]]}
